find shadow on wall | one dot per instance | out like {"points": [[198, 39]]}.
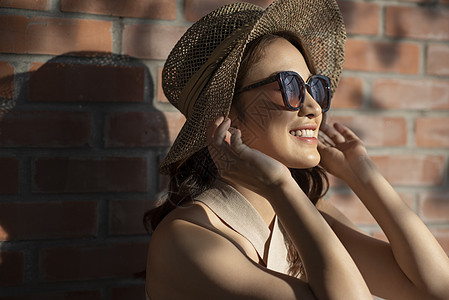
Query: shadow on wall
{"points": [[80, 142]]}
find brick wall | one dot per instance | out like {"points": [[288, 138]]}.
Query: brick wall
{"points": [[80, 147]]}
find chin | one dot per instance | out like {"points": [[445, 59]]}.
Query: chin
{"points": [[306, 162]]}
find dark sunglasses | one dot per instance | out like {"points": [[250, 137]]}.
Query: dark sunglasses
{"points": [[293, 89]]}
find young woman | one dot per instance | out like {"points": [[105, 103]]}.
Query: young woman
{"points": [[244, 216]]}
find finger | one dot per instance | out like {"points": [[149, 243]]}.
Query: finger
{"points": [[235, 136], [347, 133], [321, 145], [333, 134], [324, 139], [220, 132], [212, 127], [236, 142], [210, 133], [219, 148]]}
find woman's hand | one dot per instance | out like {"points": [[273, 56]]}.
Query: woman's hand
{"points": [[238, 162], [340, 151]]}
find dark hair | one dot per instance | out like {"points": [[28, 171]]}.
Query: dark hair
{"points": [[197, 174]]}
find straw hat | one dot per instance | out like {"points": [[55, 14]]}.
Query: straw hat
{"points": [[199, 75]]}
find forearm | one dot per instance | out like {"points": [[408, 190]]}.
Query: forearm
{"points": [[331, 272], [415, 249]]}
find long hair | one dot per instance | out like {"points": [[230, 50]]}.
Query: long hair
{"points": [[197, 174]]}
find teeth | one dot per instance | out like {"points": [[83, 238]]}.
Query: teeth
{"points": [[303, 133]]}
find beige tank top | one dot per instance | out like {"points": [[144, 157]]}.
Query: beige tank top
{"points": [[230, 206]]}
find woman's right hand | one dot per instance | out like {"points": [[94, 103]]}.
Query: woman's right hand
{"points": [[237, 162]]}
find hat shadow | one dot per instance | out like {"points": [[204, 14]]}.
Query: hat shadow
{"points": [[79, 135]]}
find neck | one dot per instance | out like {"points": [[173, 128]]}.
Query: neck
{"points": [[260, 203]]}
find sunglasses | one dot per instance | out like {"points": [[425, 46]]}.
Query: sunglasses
{"points": [[293, 89]]}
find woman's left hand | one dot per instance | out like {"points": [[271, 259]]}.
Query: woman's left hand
{"points": [[340, 150]]}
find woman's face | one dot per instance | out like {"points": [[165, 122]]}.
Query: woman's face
{"points": [[267, 124]]}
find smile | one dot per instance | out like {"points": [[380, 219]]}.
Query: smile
{"points": [[302, 133]]}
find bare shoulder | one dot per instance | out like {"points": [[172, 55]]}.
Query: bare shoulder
{"points": [[191, 261]]}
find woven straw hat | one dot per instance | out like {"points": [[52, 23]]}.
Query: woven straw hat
{"points": [[199, 75]]}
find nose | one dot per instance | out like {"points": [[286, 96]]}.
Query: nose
{"points": [[311, 108]]}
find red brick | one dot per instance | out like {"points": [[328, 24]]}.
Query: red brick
{"points": [[434, 206], [11, 268], [442, 236], [69, 295], [382, 56], [131, 292], [376, 131], [149, 9], [93, 262], [26, 4], [437, 62], [360, 17], [9, 175], [144, 129], [349, 93], [352, 208], [45, 129], [150, 40], [126, 216], [83, 175], [417, 22], [67, 82], [412, 170], [432, 132], [43, 35], [160, 92], [411, 94], [195, 9], [444, 2], [6, 80], [46, 220]]}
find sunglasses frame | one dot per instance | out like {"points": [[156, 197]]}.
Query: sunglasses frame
{"points": [[280, 77]]}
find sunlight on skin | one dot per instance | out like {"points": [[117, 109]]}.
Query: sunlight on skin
{"points": [[3, 235]]}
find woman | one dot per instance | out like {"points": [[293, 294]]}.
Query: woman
{"points": [[244, 217]]}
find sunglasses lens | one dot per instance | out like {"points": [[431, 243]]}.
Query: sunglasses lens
{"points": [[294, 91], [320, 91]]}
